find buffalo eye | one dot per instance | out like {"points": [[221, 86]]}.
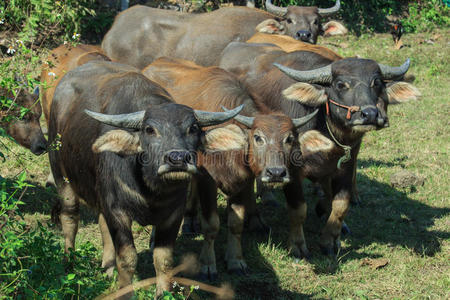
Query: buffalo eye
{"points": [[377, 82], [340, 86], [258, 140], [194, 129], [316, 22], [150, 130], [289, 20], [289, 140]]}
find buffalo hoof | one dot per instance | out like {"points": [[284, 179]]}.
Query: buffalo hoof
{"points": [[300, 252], [208, 273], [345, 230], [237, 267]]}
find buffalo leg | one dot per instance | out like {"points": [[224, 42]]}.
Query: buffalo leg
{"points": [[297, 215], [119, 225], [210, 227], [190, 221], [109, 254], [341, 188], [236, 214], [69, 216]]}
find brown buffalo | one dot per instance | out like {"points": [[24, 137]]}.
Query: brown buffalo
{"points": [[129, 152], [19, 116], [141, 34], [60, 61], [352, 96], [269, 150]]}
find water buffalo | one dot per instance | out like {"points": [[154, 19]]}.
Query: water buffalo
{"points": [[352, 96], [19, 116], [129, 152], [141, 34], [269, 150]]}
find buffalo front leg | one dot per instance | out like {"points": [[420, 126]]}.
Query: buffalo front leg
{"points": [[210, 227], [119, 225], [297, 215], [236, 213], [109, 253], [191, 224], [69, 215]]}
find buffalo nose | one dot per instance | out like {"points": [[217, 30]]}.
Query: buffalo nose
{"points": [[304, 35], [178, 158], [276, 172], [369, 114], [39, 147]]}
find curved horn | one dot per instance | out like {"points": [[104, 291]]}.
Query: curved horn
{"points": [[389, 72], [132, 120], [207, 118], [244, 120], [320, 75], [331, 10], [276, 10], [303, 120]]}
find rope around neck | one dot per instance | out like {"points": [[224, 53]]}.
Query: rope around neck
{"points": [[347, 149]]}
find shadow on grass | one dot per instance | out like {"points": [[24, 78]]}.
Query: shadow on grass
{"points": [[40, 199], [262, 281]]}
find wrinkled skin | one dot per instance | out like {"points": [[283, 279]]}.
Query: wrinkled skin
{"points": [[142, 34], [26, 130], [354, 82], [139, 174]]}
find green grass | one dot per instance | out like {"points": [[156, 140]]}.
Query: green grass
{"points": [[409, 228]]}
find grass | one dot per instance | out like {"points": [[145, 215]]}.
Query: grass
{"points": [[409, 228]]}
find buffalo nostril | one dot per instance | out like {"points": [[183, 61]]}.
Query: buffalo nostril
{"points": [[277, 172], [178, 157], [304, 35], [369, 114]]}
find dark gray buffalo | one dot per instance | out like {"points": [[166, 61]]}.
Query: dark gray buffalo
{"points": [[141, 34], [19, 116], [129, 152], [352, 95]]}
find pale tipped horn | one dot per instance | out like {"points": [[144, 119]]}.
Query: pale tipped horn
{"points": [[244, 120], [303, 120], [389, 72], [320, 75], [131, 120], [207, 118], [331, 10], [276, 10]]}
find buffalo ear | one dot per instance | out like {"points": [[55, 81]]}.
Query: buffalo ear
{"points": [[313, 141], [399, 92], [334, 28], [270, 26], [227, 138], [306, 93], [118, 141]]}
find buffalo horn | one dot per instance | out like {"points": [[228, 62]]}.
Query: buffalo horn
{"points": [[389, 72], [276, 10], [303, 120], [132, 120], [247, 121], [331, 10], [320, 75], [207, 118]]}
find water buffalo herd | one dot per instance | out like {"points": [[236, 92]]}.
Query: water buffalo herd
{"points": [[174, 106]]}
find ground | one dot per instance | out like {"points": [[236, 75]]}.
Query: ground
{"points": [[400, 241]]}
